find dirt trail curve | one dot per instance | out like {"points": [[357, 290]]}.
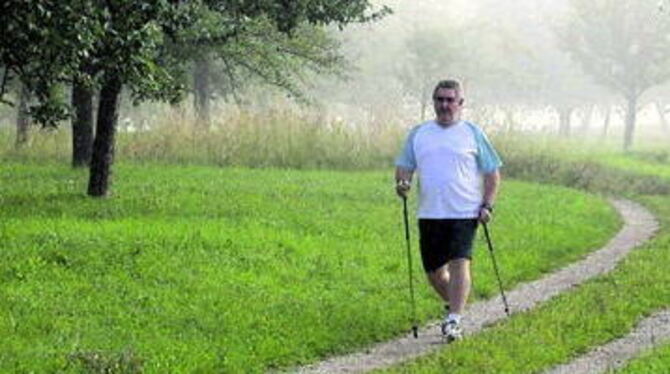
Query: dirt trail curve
{"points": [[649, 333], [639, 226]]}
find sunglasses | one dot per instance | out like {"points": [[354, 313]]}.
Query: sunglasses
{"points": [[442, 99]]}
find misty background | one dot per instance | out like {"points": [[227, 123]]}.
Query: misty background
{"points": [[526, 66], [569, 68]]}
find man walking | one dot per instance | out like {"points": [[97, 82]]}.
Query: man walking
{"points": [[452, 158]]}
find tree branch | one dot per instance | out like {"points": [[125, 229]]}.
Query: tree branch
{"points": [[233, 84]]}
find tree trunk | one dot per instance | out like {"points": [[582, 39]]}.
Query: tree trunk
{"points": [[661, 115], [202, 91], [103, 145], [606, 123], [586, 119], [82, 125], [564, 115], [629, 131], [22, 118], [509, 120]]}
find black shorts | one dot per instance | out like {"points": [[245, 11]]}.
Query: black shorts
{"points": [[443, 240]]}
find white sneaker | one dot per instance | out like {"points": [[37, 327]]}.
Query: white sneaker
{"points": [[451, 330]]}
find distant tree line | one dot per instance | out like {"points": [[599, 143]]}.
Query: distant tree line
{"points": [[596, 54]]}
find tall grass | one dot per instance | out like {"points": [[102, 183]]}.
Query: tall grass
{"points": [[272, 138], [44, 144], [569, 163], [278, 139], [289, 138], [642, 163]]}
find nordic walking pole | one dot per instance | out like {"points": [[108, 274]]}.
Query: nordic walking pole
{"points": [[415, 328], [495, 267]]}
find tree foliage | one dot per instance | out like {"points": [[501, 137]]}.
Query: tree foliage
{"points": [[126, 43], [48, 42], [259, 53]]}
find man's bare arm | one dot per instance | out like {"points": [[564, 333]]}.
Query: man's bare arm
{"points": [[491, 184]]}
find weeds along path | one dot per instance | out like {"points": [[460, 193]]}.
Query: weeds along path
{"points": [[639, 226], [649, 333]]}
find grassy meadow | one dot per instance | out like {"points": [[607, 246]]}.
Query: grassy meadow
{"points": [[651, 164], [207, 269], [272, 242]]}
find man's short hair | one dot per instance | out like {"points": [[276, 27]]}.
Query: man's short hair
{"points": [[450, 84]]}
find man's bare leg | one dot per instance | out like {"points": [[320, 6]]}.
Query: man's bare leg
{"points": [[452, 283], [439, 279], [458, 287]]}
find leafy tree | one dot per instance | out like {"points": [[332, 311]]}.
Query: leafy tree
{"points": [[260, 54], [126, 42], [624, 45]]}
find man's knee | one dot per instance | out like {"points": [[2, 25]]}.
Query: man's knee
{"points": [[439, 275]]}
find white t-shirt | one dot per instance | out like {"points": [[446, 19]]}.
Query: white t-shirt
{"points": [[450, 162]]}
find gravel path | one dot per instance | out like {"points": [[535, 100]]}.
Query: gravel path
{"points": [[639, 226], [649, 333]]}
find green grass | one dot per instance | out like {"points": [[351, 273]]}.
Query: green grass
{"points": [[569, 325], [201, 269], [640, 164], [572, 163], [655, 361]]}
